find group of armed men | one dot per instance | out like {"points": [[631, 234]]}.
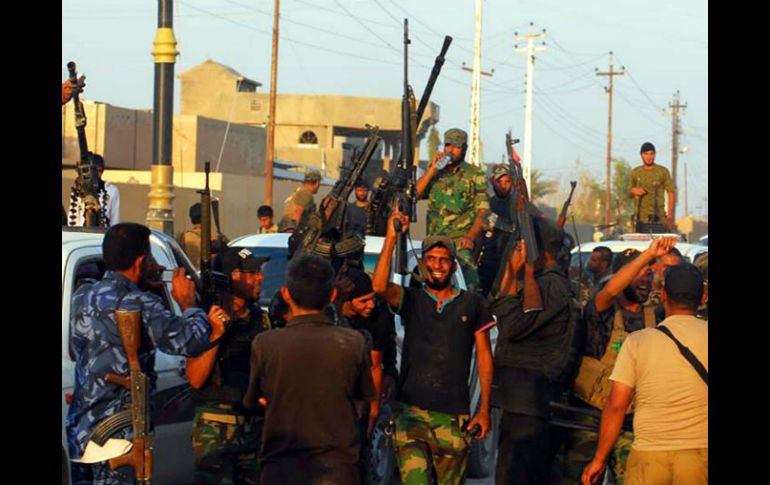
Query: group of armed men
{"points": [[292, 395]]}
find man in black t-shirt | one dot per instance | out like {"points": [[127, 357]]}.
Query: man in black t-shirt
{"points": [[355, 217], [442, 324]]}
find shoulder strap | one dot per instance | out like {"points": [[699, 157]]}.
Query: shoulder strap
{"points": [[702, 372], [649, 316]]}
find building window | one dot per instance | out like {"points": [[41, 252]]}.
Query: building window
{"points": [[308, 138]]}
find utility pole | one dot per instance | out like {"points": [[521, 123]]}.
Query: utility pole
{"points": [[526, 162], [683, 151], [270, 148], [675, 132], [474, 153], [475, 135], [160, 213], [608, 185]]}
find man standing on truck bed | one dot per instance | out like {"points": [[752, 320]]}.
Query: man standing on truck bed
{"points": [[99, 349], [649, 184]]}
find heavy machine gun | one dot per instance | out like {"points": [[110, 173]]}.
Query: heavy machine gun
{"points": [[323, 232], [399, 190]]}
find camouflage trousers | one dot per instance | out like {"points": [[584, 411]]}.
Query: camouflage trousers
{"points": [[428, 443], [469, 269], [580, 446], [226, 446]]}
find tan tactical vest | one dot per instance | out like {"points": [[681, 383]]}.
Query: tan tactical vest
{"points": [[592, 384]]}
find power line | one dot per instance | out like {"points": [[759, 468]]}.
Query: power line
{"points": [[362, 24], [641, 90]]}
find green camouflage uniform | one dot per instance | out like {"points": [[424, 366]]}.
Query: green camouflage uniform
{"points": [[421, 434], [226, 443], [453, 201], [655, 181], [581, 447], [225, 453], [301, 197]]}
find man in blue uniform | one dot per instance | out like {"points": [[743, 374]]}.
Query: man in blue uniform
{"points": [[99, 349]]}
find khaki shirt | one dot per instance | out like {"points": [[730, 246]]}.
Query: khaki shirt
{"points": [[671, 399], [269, 230], [657, 182], [190, 242], [301, 197]]}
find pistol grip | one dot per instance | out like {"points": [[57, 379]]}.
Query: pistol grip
{"points": [[118, 380]]}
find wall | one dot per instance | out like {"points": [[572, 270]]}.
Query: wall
{"points": [[239, 198]]}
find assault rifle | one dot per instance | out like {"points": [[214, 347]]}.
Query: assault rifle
{"points": [[563, 214], [137, 415], [628, 424], [211, 282], [524, 211]]}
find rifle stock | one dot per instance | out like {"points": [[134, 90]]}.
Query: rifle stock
{"points": [[140, 456]]}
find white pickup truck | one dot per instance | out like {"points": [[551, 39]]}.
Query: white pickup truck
{"points": [[81, 261]]}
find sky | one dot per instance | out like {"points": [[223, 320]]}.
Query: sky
{"points": [[354, 47]]}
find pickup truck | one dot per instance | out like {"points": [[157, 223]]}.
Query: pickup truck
{"points": [[81, 261]]}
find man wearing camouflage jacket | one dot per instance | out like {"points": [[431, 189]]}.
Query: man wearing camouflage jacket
{"points": [[457, 200]]}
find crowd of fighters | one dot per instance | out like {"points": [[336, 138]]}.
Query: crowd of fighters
{"points": [[609, 373]]}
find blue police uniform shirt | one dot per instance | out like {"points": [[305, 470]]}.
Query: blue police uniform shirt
{"points": [[99, 350]]}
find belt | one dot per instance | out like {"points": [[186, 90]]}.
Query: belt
{"points": [[223, 418]]}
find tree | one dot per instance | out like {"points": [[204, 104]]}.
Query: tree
{"points": [[588, 201], [622, 207], [540, 186]]}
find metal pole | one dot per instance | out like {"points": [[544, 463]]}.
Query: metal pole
{"points": [[160, 214], [526, 161], [474, 155], [271, 117]]}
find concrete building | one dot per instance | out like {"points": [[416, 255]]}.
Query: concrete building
{"points": [[310, 129], [223, 120]]}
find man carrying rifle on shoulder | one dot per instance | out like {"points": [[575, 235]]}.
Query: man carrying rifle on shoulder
{"points": [[225, 438], [99, 349], [457, 200], [501, 225]]}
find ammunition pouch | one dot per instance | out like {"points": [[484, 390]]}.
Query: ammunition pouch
{"points": [[592, 384]]}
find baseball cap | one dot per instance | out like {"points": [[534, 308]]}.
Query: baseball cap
{"points": [[683, 283], [241, 258], [431, 242]]}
